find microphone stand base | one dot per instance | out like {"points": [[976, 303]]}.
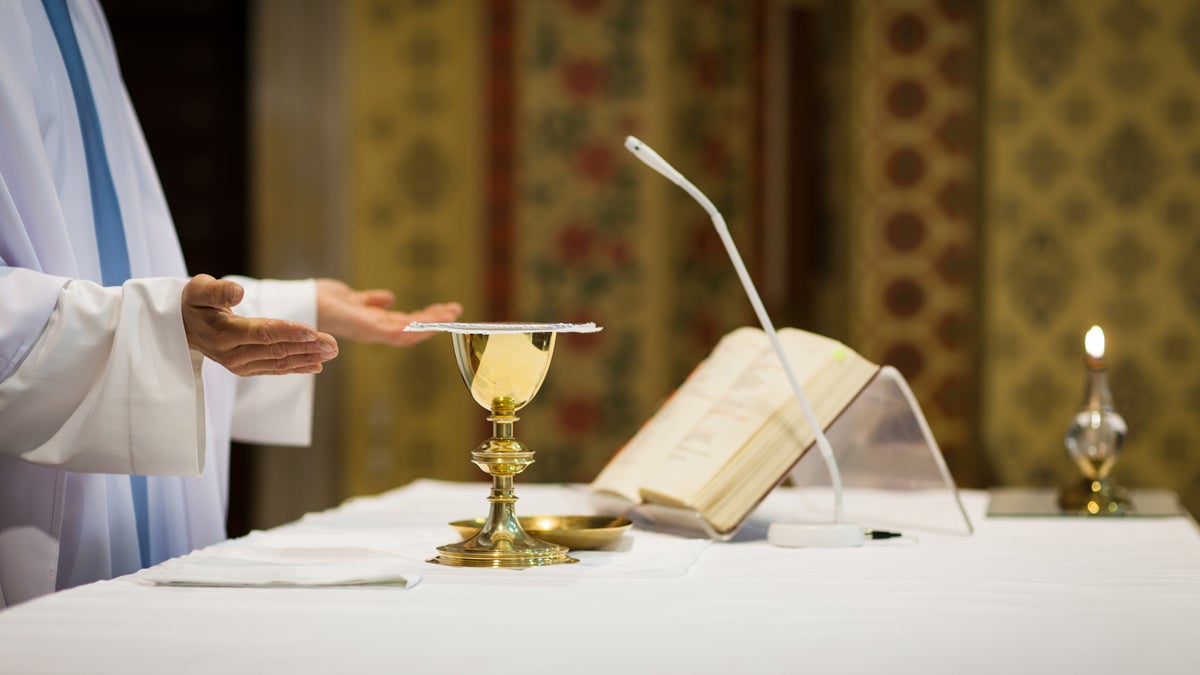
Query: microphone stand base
{"points": [[815, 535]]}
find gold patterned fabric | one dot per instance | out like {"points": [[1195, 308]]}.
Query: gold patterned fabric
{"points": [[415, 204], [1092, 171], [600, 237]]}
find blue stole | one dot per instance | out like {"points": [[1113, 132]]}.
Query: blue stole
{"points": [[106, 211]]}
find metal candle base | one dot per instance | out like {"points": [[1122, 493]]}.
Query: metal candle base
{"points": [[1094, 498]]}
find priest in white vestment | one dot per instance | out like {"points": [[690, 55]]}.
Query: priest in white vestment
{"points": [[102, 383]]}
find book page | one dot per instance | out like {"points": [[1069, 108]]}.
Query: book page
{"points": [[727, 421], [680, 414], [767, 456]]}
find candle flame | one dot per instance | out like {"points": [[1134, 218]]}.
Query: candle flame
{"points": [[1093, 342]]}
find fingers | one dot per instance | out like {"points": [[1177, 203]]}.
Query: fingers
{"points": [[273, 339], [205, 291], [270, 331], [436, 313], [223, 332], [364, 316], [274, 347], [334, 290], [378, 298], [280, 357]]}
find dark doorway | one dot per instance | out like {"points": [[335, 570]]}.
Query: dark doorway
{"points": [[185, 66]]}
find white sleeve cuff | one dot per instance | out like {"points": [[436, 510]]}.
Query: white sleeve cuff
{"points": [[110, 386]]}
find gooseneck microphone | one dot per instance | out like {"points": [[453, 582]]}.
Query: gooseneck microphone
{"points": [[781, 534]]}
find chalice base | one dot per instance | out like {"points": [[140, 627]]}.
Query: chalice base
{"points": [[1088, 497], [531, 552]]}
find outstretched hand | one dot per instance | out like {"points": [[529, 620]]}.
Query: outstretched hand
{"points": [[248, 346], [363, 316]]}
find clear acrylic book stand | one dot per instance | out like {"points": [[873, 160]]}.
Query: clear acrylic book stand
{"points": [[893, 471]]}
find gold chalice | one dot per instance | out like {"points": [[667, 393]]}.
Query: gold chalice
{"points": [[503, 365]]}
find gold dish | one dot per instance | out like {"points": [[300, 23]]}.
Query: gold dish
{"points": [[574, 532]]}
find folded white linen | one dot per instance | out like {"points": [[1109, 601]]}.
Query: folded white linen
{"points": [[216, 571], [290, 559]]}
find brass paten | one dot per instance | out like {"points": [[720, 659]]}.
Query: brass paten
{"points": [[503, 370], [577, 533]]}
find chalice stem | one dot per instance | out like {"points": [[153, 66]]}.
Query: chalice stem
{"points": [[502, 426], [502, 524], [502, 516]]}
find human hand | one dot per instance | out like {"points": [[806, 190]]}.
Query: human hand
{"points": [[248, 346], [364, 316]]}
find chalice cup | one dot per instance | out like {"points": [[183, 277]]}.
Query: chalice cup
{"points": [[503, 370]]}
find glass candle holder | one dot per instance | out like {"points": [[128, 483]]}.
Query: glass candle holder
{"points": [[1094, 441]]}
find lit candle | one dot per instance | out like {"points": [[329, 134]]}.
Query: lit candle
{"points": [[1093, 343], [1094, 440]]}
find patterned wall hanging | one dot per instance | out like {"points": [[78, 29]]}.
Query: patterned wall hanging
{"points": [[416, 199], [597, 235], [1092, 174], [911, 233]]}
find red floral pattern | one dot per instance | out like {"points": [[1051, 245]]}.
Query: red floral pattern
{"points": [[583, 79], [591, 243], [575, 242], [594, 162]]}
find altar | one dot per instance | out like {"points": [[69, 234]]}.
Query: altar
{"points": [[1019, 595]]}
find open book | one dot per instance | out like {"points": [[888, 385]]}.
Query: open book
{"points": [[734, 429]]}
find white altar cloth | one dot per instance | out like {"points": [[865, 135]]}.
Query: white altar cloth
{"points": [[1021, 595]]}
